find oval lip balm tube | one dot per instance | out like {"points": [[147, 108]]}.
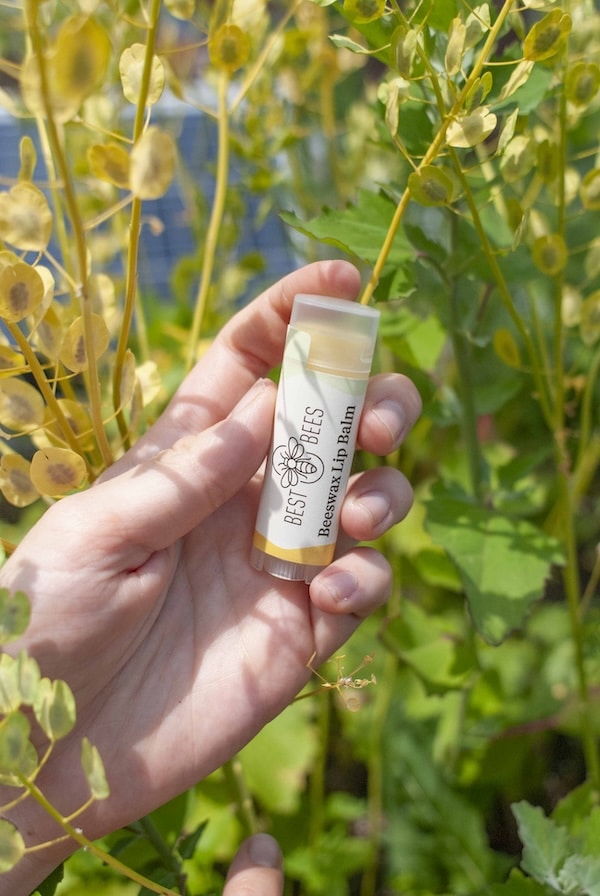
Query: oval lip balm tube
{"points": [[326, 365]]}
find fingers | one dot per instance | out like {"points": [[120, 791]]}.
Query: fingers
{"points": [[392, 407], [343, 594], [169, 495], [247, 347], [257, 869]]}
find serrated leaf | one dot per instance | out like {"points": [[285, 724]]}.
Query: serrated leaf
{"points": [[581, 874], [546, 845], [359, 229], [93, 768], [503, 563]]}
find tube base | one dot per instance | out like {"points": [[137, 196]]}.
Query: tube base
{"points": [[283, 569]]}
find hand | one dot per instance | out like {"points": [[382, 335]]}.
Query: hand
{"points": [[143, 599], [256, 869]]}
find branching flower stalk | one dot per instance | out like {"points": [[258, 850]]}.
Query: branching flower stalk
{"points": [[434, 148], [79, 837], [93, 384]]}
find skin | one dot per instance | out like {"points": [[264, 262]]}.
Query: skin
{"points": [[143, 599]]}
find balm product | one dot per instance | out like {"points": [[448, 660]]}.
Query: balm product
{"points": [[326, 365]]}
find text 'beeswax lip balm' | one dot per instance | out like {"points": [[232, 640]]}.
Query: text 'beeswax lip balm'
{"points": [[326, 366]]}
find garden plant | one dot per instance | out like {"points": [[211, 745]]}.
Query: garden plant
{"points": [[452, 151]]}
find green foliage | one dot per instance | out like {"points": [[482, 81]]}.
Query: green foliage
{"points": [[452, 151]]}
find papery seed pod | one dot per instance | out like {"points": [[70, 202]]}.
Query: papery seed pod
{"points": [[229, 48]]}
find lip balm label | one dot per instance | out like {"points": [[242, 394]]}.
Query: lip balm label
{"points": [[316, 421]]}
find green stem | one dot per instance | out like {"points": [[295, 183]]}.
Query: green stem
{"points": [[462, 359], [134, 231], [216, 218], [316, 818], [234, 775], [169, 860], [77, 835], [78, 232], [572, 588]]}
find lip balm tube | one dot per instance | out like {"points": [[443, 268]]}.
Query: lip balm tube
{"points": [[326, 366]]}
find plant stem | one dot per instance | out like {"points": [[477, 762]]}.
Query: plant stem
{"points": [[77, 835], [78, 232], [163, 849], [216, 218], [46, 392], [572, 588], [134, 231], [234, 775]]}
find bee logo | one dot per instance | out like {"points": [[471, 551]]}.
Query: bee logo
{"points": [[293, 464]]}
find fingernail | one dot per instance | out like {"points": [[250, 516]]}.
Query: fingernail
{"points": [[340, 584], [377, 506], [251, 395], [264, 851], [392, 415]]}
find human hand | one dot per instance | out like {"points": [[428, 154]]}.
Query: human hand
{"points": [[143, 599]]}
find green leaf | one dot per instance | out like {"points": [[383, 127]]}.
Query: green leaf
{"points": [[14, 741], [359, 229], [503, 563], [93, 768], [14, 615], [49, 885], [12, 847], [187, 845], [581, 874], [518, 885], [277, 761], [546, 845], [54, 708]]}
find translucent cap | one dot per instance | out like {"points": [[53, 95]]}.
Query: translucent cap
{"points": [[343, 334]]}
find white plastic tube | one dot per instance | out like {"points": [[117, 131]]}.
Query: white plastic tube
{"points": [[326, 366]]}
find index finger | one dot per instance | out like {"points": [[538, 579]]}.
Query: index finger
{"points": [[247, 347]]}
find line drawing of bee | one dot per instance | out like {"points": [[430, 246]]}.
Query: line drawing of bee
{"points": [[293, 464]]}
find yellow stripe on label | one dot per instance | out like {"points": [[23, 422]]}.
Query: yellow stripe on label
{"points": [[321, 555]]}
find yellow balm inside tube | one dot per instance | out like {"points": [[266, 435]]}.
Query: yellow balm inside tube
{"points": [[326, 366]]}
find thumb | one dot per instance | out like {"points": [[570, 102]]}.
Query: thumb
{"points": [[164, 498], [256, 869]]}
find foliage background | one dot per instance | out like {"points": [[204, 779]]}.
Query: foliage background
{"points": [[453, 153]]}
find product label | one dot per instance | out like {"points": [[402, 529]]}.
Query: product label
{"points": [[316, 421]]}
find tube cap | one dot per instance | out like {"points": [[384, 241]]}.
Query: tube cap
{"points": [[343, 334]]}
